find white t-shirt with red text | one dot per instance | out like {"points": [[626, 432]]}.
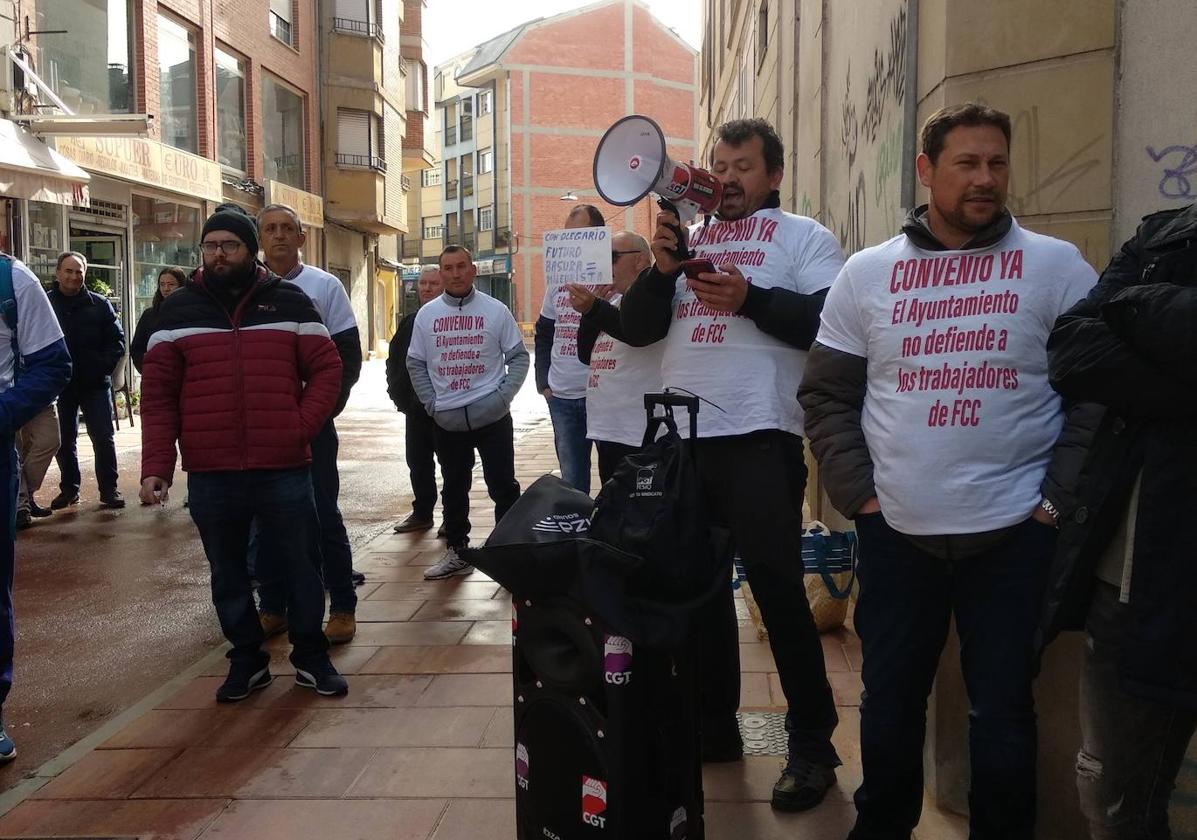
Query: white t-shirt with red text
{"points": [[725, 358], [620, 376], [958, 414], [567, 376], [465, 347]]}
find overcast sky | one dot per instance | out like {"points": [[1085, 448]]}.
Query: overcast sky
{"points": [[453, 26]]}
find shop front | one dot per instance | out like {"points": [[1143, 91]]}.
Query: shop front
{"points": [[148, 204]]}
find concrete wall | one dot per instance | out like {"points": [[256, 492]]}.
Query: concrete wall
{"points": [[1156, 147], [349, 251]]}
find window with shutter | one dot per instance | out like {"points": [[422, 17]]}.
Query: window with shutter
{"points": [[280, 21], [353, 138]]}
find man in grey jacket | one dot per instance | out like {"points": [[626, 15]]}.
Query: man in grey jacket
{"points": [[467, 361]]}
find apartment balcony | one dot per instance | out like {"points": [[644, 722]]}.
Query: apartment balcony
{"points": [[345, 161], [356, 195]]}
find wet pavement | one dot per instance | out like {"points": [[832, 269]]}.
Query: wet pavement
{"points": [[112, 604]]}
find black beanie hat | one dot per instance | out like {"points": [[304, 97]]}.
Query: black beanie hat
{"points": [[236, 221]]}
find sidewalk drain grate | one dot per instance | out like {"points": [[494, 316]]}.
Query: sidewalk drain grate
{"points": [[764, 733]]}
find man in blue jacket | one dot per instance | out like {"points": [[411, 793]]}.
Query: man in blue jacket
{"points": [[45, 369]]}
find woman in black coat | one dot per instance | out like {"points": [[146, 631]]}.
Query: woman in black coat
{"points": [[169, 279]]}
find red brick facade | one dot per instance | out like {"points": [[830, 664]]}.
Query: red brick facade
{"points": [[569, 108], [240, 27]]}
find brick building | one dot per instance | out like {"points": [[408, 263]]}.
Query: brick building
{"points": [[231, 89], [541, 95]]}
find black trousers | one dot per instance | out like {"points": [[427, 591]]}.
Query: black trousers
{"points": [[609, 456], [754, 485], [420, 437], [496, 447]]}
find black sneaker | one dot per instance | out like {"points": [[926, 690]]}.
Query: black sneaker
{"points": [[64, 500], [321, 676], [245, 677], [24, 519], [112, 500], [358, 578], [37, 511], [413, 523], [802, 785]]}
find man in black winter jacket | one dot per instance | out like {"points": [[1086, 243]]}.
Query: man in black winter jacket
{"points": [[1124, 569], [419, 430], [96, 343]]}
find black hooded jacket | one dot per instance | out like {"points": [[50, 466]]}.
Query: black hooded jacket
{"points": [[1127, 356]]}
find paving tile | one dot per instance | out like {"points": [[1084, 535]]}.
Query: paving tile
{"points": [[162, 819], [441, 659], [411, 633], [834, 656], [501, 732], [205, 772], [471, 819], [757, 820], [415, 574], [754, 691], [468, 690], [323, 819], [489, 633], [462, 610], [417, 727], [846, 687], [407, 772], [106, 774], [366, 588], [436, 590], [756, 656], [368, 611], [216, 727], [855, 656]]}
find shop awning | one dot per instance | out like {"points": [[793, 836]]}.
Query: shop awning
{"points": [[31, 169]]}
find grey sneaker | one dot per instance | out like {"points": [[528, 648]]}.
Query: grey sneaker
{"points": [[448, 566]]}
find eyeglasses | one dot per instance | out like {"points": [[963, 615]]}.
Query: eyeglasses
{"points": [[229, 247], [615, 255]]}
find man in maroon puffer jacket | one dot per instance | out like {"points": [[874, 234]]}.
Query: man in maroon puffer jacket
{"points": [[242, 374]]}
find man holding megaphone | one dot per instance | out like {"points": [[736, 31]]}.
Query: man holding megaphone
{"points": [[737, 322]]}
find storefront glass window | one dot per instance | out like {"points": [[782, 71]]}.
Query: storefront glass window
{"points": [[87, 77], [45, 239], [230, 110], [176, 65], [282, 127], [165, 234]]}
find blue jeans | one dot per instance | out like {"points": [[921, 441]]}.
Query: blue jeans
{"points": [[8, 509], [96, 404], [336, 555], [223, 504], [907, 599], [569, 438]]}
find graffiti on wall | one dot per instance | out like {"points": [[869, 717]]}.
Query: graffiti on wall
{"points": [[1034, 185], [866, 163], [1179, 165]]}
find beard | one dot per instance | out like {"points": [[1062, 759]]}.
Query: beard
{"points": [[234, 277], [960, 217]]}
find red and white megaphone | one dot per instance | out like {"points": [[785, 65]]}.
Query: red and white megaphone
{"points": [[631, 162]]}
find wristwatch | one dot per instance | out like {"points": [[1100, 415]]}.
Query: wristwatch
{"points": [[1050, 510]]}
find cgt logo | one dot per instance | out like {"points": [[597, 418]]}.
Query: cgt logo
{"points": [[617, 660], [594, 802]]}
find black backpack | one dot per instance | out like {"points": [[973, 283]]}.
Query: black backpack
{"points": [[653, 507]]}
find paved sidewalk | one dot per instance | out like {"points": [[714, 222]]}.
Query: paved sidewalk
{"points": [[419, 750]]}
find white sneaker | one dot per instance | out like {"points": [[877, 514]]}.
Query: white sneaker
{"points": [[448, 566]]}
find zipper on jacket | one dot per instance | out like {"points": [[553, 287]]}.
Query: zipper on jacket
{"points": [[235, 321]]}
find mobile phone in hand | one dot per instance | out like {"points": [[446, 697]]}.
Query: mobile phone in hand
{"points": [[693, 268]]}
